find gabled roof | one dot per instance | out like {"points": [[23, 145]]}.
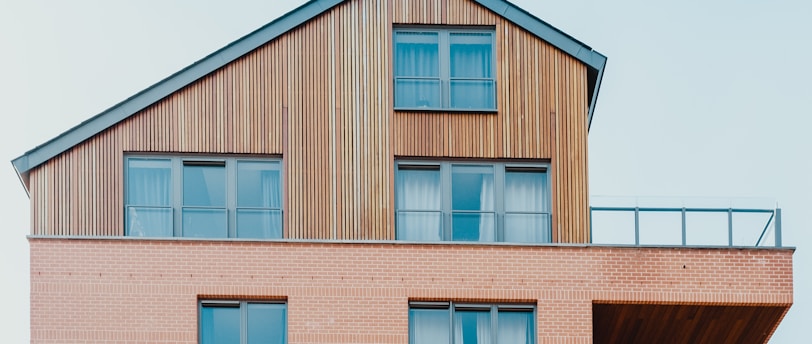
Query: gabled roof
{"points": [[594, 61]]}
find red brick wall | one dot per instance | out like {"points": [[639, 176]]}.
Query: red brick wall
{"points": [[135, 291]]}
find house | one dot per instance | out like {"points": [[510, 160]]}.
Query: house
{"points": [[366, 172]]}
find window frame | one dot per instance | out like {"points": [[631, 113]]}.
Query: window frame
{"points": [[493, 309], [500, 168], [176, 199], [444, 56], [243, 307]]}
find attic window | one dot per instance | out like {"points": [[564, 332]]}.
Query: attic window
{"points": [[444, 69]]}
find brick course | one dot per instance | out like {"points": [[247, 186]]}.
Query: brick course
{"points": [[136, 291]]}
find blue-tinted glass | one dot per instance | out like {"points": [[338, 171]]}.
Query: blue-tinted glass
{"points": [[417, 93], [472, 94], [258, 223], [266, 323], [525, 191], [473, 227], [472, 327], [219, 325], [149, 222], [419, 226], [204, 185], [149, 182], [527, 228], [417, 54], [205, 223], [258, 184], [429, 326], [472, 188], [471, 55], [515, 328]]}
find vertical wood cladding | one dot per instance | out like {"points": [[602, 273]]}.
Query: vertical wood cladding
{"points": [[320, 96]]}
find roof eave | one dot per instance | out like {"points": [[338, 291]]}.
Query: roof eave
{"points": [[169, 85]]}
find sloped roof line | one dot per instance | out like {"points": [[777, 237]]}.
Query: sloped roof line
{"points": [[313, 8]]}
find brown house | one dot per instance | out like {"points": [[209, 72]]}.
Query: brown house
{"points": [[366, 171]]}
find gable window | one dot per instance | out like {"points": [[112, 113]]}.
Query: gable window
{"points": [[203, 197], [242, 322], [444, 69], [461, 323], [486, 202]]}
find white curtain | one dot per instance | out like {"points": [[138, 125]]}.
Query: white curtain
{"points": [[430, 326], [462, 331], [417, 56], [271, 198], [513, 328], [148, 198], [525, 193], [471, 58], [487, 222], [419, 204]]}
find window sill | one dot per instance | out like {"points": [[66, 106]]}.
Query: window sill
{"points": [[452, 110]]}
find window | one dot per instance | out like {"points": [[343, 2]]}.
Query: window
{"points": [[203, 197], [444, 69], [472, 202], [459, 323], [242, 322]]}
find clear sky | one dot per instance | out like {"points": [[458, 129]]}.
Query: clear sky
{"points": [[700, 98]]}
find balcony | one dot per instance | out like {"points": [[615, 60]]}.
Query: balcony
{"points": [[695, 222]]}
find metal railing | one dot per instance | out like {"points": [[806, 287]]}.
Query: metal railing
{"points": [[772, 225]]}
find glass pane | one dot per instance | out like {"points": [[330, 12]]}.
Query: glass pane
{"points": [[472, 94], [149, 222], [515, 328], [219, 325], [527, 228], [526, 191], [472, 188], [418, 190], [417, 93], [429, 326], [204, 185], [472, 327], [266, 323], [471, 55], [257, 223], [258, 184], [205, 223], [417, 54], [149, 182], [419, 226], [473, 227]]}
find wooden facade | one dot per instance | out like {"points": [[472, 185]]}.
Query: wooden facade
{"points": [[320, 96]]}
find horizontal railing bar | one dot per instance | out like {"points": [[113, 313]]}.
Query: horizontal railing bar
{"points": [[697, 210]]}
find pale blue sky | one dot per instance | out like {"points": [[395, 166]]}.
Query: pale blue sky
{"points": [[700, 98]]}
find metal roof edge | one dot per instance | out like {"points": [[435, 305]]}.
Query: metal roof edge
{"points": [[557, 38], [169, 85]]}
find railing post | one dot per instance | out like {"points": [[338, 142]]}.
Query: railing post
{"points": [[590, 225], [730, 226], [637, 226], [684, 235], [778, 227]]}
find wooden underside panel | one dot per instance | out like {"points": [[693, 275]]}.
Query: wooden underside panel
{"points": [[711, 324], [320, 97]]}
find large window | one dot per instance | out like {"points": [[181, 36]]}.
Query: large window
{"points": [[438, 201], [241, 322], [460, 323], [203, 197], [444, 69]]}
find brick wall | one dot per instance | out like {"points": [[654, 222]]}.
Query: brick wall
{"points": [[136, 291]]}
